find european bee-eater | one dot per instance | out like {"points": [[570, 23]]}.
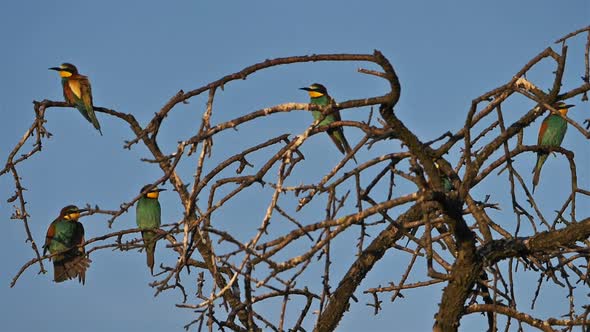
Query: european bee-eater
{"points": [[63, 236], [77, 91], [446, 182], [551, 133], [319, 96], [148, 214]]}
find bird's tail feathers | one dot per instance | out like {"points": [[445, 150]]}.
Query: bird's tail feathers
{"points": [[90, 116], [339, 139], [71, 268], [95, 123], [412, 232], [537, 170], [149, 239]]}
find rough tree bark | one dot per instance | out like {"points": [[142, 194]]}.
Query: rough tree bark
{"points": [[448, 230]]}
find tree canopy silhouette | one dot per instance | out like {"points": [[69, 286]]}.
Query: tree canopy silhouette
{"points": [[415, 192]]}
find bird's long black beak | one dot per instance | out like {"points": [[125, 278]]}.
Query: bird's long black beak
{"points": [[82, 210], [306, 89], [55, 68], [569, 105], [159, 190]]}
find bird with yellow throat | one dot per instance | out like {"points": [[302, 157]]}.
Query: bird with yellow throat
{"points": [[64, 240], [77, 92], [551, 134], [148, 219], [318, 95]]}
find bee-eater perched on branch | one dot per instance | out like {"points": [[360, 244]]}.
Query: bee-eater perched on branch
{"points": [[319, 96], [147, 217], [551, 133], [77, 91], [64, 235], [446, 182]]}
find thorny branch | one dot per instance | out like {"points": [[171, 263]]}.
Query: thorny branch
{"points": [[385, 198]]}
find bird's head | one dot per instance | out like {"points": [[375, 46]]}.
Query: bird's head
{"points": [[66, 69], [71, 212], [152, 193], [316, 90], [562, 107]]}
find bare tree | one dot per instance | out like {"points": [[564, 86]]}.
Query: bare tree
{"points": [[449, 231]]}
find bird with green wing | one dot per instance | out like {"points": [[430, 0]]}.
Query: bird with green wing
{"points": [[63, 239], [148, 219], [77, 91], [318, 95], [551, 134]]}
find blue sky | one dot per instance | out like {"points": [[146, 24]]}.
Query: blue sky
{"points": [[140, 53]]}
